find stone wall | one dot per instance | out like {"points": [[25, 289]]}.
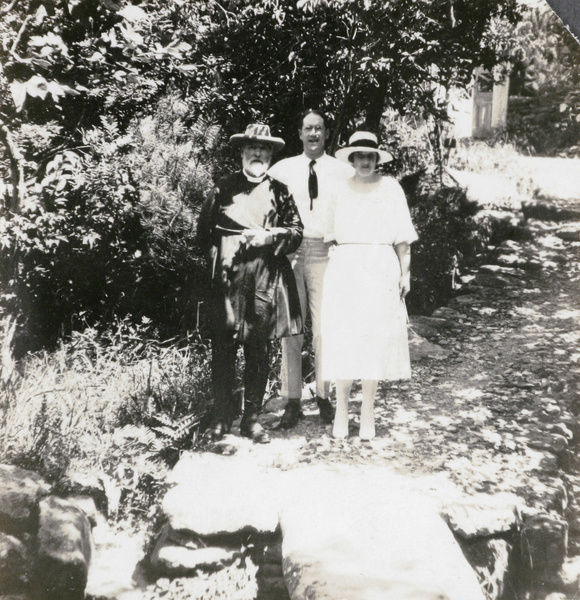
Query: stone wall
{"points": [[544, 125], [45, 540]]}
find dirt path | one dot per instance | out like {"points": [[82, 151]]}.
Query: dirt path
{"points": [[498, 413]]}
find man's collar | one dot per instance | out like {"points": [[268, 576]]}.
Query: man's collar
{"points": [[311, 159], [252, 179]]}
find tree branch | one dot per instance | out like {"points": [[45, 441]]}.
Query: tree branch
{"points": [[7, 9], [19, 34], [17, 168]]}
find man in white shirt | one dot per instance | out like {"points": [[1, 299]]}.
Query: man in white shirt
{"points": [[311, 177]]}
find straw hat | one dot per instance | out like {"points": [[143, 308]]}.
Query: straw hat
{"points": [[363, 141], [257, 133]]}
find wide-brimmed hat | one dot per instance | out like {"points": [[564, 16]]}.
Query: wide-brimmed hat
{"points": [[257, 133], [363, 141]]}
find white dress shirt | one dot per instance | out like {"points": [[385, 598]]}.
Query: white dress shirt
{"points": [[331, 173]]}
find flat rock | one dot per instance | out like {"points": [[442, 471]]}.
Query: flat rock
{"points": [[429, 326], [215, 494], [177, 561], [482, 515], [420, 348], [496, 280], [15, 559], [569, 233], [368, 538], [444, 312], [20, 493], [64, 551]]}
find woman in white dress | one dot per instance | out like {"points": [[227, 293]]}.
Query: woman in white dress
{"points": [[363, 317]]}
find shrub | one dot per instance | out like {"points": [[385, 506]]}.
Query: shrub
{"points": [[119, 405], [109, 232], [449, 238]]}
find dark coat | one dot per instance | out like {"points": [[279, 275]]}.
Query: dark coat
{"points": [[253, 290]]}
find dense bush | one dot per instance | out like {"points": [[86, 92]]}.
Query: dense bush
{"points": [[546, 125], [449, 238], [111, 232]]}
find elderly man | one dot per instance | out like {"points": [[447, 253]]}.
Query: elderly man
{"points": [[246, 227], [312, 178]]}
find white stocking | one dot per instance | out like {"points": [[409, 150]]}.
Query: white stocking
{"points": [[367, 412], [340, 426]]}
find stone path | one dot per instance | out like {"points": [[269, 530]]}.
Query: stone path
{"points": [[347, 533], [482, 442]]}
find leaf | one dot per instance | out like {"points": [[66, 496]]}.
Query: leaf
{"points": [[56, 90], [131, 35], [70, 91], [37, 87], [110, 5], [18, 91], [133, 13], [40, 62]]}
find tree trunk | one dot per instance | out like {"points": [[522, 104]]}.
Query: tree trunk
{"points": [[17, 169], [376, 106]]}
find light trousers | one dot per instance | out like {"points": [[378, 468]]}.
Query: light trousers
{"points": [[309, 264]]}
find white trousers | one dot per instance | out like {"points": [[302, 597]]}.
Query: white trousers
{"points": [[309, 265]]}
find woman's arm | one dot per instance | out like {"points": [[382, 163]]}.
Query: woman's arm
{"points": [[403, 251]]}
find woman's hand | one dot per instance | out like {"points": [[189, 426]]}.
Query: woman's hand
{"points": [[405, 285]]}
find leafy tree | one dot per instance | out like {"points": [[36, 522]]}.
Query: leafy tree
{"points": [[107, 113], [543, 54], [270, 59]]}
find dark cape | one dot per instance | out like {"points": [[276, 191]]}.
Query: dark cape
{"points": [[253, 291]]}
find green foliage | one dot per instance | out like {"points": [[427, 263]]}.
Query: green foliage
{"points": [[120, 405], [271, 59], [449, 238], [546, 125], [543, 60], [92, 244], [544, 56]]}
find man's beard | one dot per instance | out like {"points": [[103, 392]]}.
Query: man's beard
{"points": [[256, 168]]}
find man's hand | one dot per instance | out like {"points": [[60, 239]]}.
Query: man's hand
{"points": [[256, 238]]}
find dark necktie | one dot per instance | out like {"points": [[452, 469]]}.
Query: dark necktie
{"points": [[312, 183]]}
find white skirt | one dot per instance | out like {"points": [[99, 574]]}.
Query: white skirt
{"points": [[363, 319]]}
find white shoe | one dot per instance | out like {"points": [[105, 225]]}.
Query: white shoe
{"points": [[367, 433], [340, 430]]}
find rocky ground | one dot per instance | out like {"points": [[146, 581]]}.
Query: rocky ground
{"points": [[505, 388], [493, 402]]}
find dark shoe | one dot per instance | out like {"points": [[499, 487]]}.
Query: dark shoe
{"points": [[326, 410], [215, 432], [250, 428], [292, 414]]}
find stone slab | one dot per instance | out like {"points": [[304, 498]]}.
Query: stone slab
{"points": [[64, 551], [215, 494], [368, 536], [483, 515], [20, 492]]}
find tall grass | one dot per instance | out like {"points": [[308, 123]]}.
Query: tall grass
{"points": [[119, 406]]}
